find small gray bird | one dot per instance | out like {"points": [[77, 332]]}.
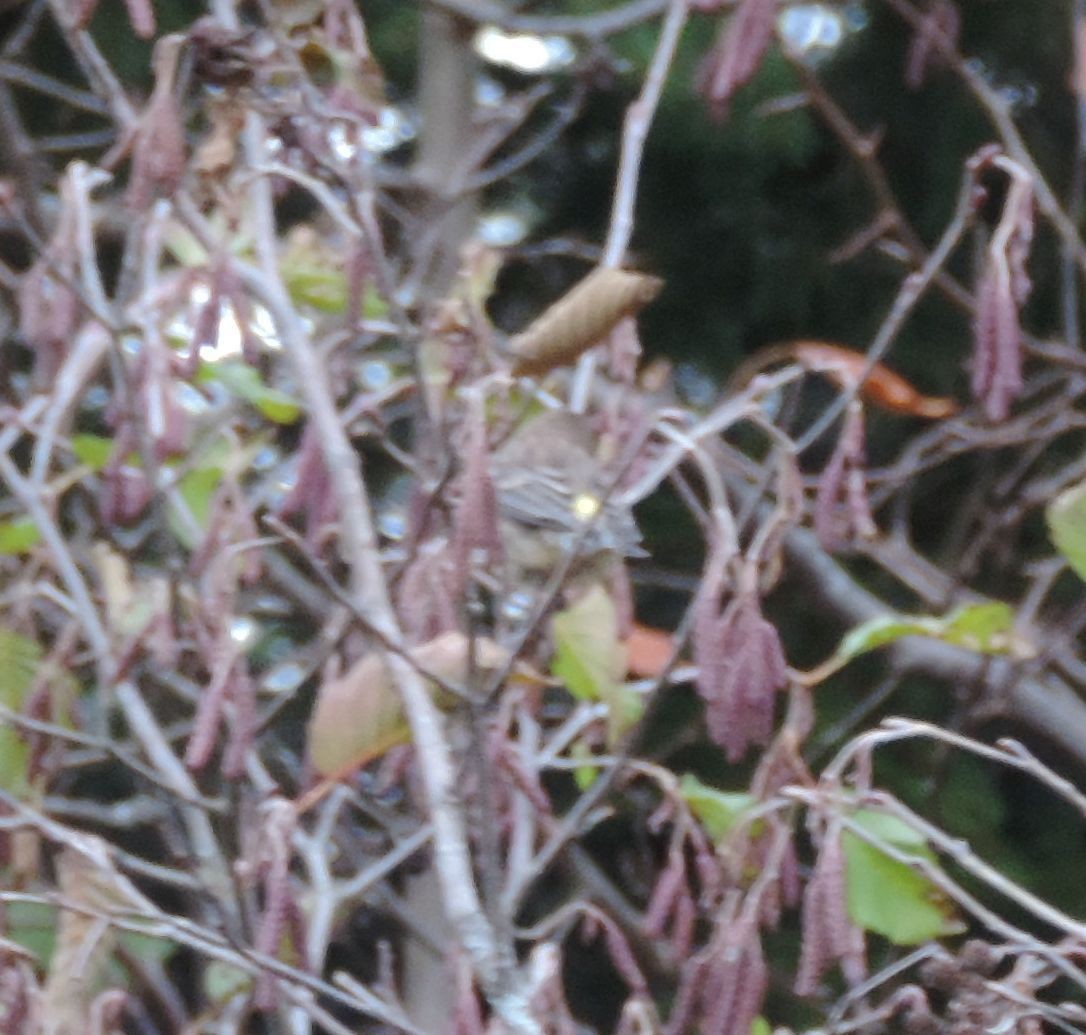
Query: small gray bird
{"points": [[550, 489]]}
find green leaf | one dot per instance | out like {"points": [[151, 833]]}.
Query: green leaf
{"points": [[584, 775], [1066, 517], [147, 947], [315, 275], [373, 305], [876, 633], [987, 628], [324, 289], [760, 1026], [197, 489], [33, 925], [18, 536], [889, 897], [718, 811], [223, 981], [243, 381], [92, 450], [20, 658], [590, 659], [970, 793], [184, 246], [893, 830]]}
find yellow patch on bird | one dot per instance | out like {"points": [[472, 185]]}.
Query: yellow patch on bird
{"points": [[585, 506]]}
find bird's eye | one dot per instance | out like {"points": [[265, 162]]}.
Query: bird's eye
{"points": [[585, 506]]}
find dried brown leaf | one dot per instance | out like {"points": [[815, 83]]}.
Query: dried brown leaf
{"points": [[358, 716], [218, 148], [883, 387], [87, 880], [580, 319]]}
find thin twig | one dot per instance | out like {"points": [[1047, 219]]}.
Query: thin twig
{"points": [[635, 131]]}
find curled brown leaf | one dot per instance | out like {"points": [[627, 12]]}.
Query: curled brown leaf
{"points": [[580, 319]]}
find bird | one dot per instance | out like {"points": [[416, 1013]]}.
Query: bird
{"points": [[553, 501]]}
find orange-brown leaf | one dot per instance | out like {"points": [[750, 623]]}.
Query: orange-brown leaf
{"points": [[648, 651], [883, 387]]}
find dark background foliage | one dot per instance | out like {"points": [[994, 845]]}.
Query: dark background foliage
{"points": [[745, 218]]}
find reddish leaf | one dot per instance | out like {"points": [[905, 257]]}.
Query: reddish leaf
{"points": [[648, 651], [883, 387]]}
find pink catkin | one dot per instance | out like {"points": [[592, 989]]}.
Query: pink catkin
{"points": [[242, 695], [359, 277], [683, 925], [664, 895], [425, 597], [205, 727], [829, 935], [278, 894], [842, 512], [48, 308], [1003, 288], [814, 951], [312, 494], [738, 52], [622, 956], [205, 327], [158, 158], [624, 350], [273, 923], [475, 516], [738, 979], [141, 16], [691, 977], [711, 664], [82, 11], [158, 155], [942, 20], [997, 366], [745, 668], [748, 996], [124, 495]]}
